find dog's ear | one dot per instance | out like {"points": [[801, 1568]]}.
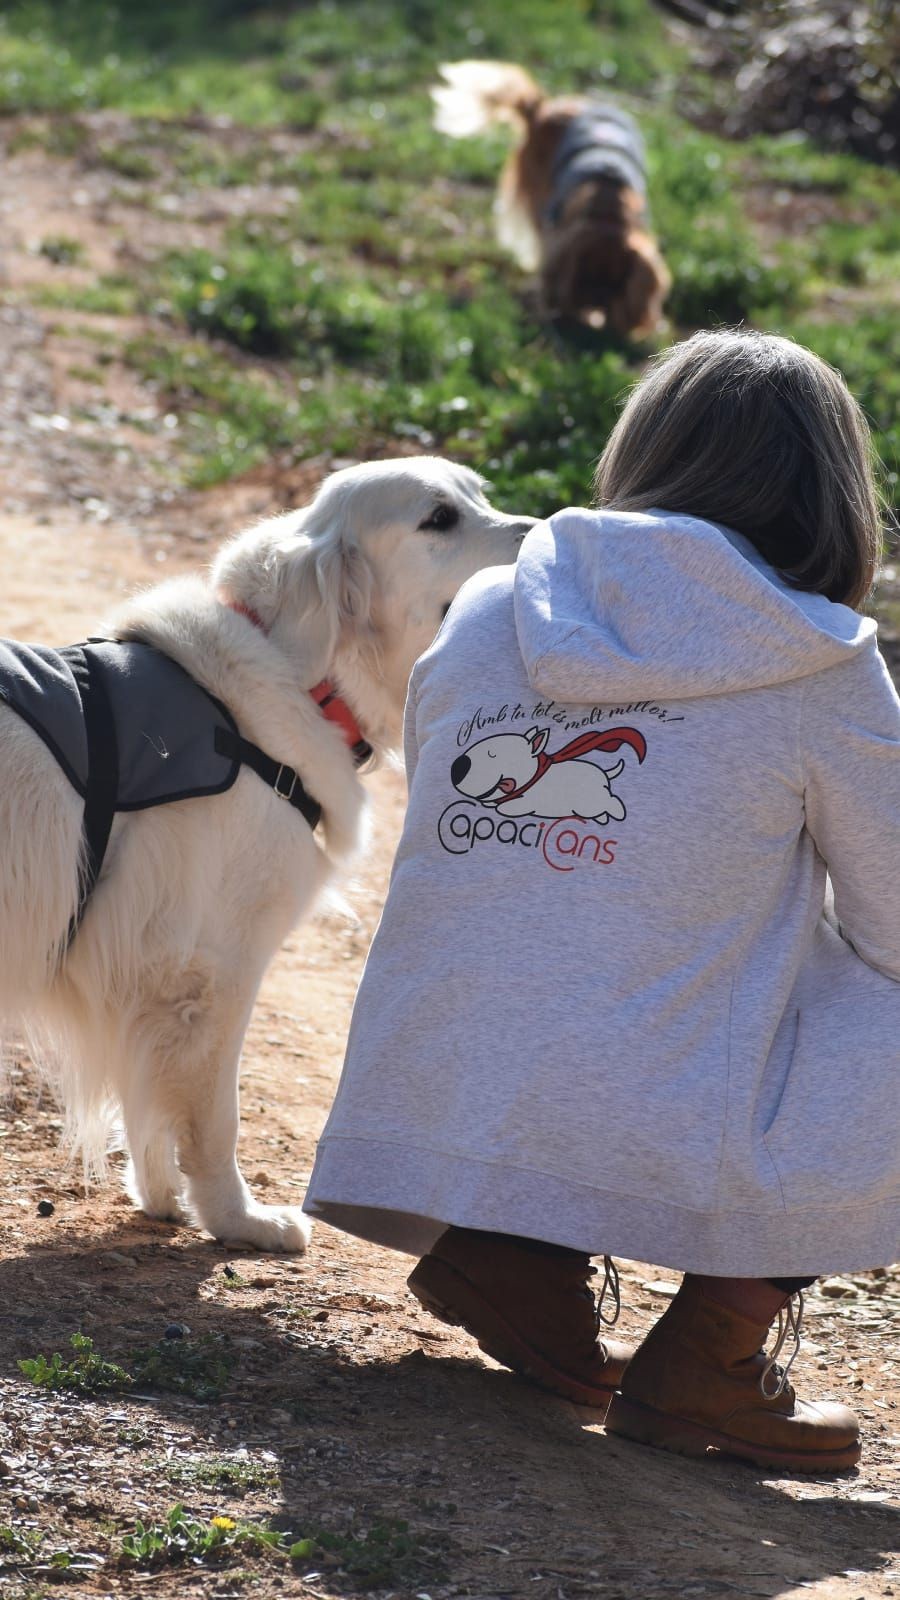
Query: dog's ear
{"points": [[537, 738], [325, 583], [637, 309], [304, 575]]}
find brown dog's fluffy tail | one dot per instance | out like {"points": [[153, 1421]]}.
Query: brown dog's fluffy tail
{"points": [[476, 93]]}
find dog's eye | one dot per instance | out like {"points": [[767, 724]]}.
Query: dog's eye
{"points": [[440, 520]]}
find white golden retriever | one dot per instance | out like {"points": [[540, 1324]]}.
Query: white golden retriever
{"points": [[143, 1015]]}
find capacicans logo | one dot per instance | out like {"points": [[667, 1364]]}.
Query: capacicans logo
{"points": [[564, 843], [559, 805]]}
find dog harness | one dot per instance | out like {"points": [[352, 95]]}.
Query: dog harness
{"points": [[613, 739], [132, 729], [601, 142]]}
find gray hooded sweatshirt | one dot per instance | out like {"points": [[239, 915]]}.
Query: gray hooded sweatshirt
{"points": [[604, 1007]]}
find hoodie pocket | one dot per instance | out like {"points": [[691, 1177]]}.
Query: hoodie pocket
{"points": [[835, 1137]]}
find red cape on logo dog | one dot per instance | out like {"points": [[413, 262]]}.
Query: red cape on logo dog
{"points": [[511, 773]]}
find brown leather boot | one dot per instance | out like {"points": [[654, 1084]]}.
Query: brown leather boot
{"points": [[701, 1381], [529, 1306]]}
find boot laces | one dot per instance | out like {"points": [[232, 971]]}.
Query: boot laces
{"points": [[790, 1321], [610, 1285]]}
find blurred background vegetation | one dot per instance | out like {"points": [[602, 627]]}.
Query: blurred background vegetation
{"points": [[353, 301]]}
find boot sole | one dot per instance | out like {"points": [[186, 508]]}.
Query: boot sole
{"points": [[450, 1297], [630, 1419]]}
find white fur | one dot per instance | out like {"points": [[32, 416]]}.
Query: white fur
{"points": [[475, 94], [143, 1018]]}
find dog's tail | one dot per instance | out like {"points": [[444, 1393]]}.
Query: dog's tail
{"points": [[475, 94]]}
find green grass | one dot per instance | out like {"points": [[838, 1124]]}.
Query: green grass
{"points": [[111, 295], [377, 310], [231, 418], [261, 64]]}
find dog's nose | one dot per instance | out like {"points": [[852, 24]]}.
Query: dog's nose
{"points": [[459, 770]]}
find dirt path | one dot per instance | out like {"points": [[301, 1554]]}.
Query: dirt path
{"points": [[347, 1408]]}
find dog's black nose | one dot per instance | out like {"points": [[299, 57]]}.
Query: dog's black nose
{"points": [[458, 770]]}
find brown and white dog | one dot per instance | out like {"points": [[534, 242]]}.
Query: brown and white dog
{"points": [[571, 203]]}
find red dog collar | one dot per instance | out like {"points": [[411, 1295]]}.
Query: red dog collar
{"points": [[336, 710]]}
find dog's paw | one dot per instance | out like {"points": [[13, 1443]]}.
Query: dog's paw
{"points": [[282, 1228], [156, 1195]]}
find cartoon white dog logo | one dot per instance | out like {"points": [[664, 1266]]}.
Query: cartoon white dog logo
{"points": [[511, 773]]}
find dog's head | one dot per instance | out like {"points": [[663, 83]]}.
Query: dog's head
{"points": [[601, 266], [494, 767], [366, 572]]}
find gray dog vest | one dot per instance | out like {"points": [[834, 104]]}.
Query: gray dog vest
{"points": [[601, 142], [131, 729], [163, 722]]}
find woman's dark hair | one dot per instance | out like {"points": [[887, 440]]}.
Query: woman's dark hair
{"points": [[753, 431]]}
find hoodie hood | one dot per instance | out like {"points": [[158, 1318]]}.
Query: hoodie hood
{"points": [[622, 605]]}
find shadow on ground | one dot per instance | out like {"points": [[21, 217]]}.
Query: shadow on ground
{"points": [[517, 1492]]}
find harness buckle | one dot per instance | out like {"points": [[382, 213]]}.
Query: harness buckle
{"points": [[285, 794]]}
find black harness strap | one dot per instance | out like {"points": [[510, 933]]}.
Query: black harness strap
{"points": [[284, 780], [102, 780]]}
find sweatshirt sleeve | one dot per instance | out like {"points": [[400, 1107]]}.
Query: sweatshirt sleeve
{"points": [[850, 733]]}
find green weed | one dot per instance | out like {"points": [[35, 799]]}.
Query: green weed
{"points": [[60, 135], [383, 1555], [61, 250], [197, 1367], [180, 1537], [28, 1547], [87, 1372], [17, 1545], [234, 1475], [111, 295], [126, 159]]}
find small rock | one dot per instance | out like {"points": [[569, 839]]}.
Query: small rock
{"points": [[176, 1330], [229, 1272], [45, 1208], [838, 1289]]}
